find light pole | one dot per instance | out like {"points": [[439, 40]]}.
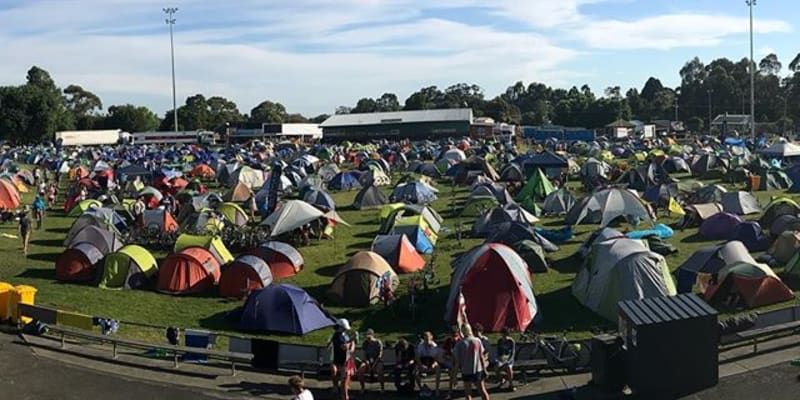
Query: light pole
{"points": [[751, 3], [709, 109], [171, 21]]}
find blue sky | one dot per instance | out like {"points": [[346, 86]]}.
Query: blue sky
{"points": [[313, 55]]}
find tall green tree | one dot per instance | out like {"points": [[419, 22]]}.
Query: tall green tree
{"points": [[130, 118], [84, 106], [269, 112]]}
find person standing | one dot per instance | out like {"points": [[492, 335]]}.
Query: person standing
{"points": [[469, 357], [38, 211], [373, 359], [24, 230], [447, 358], [343, 365], [297, 386]]}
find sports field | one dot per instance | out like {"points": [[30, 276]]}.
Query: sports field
{"points": [[559, 310]]}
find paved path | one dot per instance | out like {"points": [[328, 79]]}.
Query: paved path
{"points": [[26, 376]]}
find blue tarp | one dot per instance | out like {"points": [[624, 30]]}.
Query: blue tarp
{"points": [[660, 230]]}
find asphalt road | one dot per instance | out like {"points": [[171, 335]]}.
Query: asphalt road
{"points": [[24, 376]]}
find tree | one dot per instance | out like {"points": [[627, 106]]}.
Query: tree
{"points": [[613, 92], [365, 105], [296, 119], [130, 118], [83, 105], [35, 110], [269, 112], [770, 65], [319, 118], [695, 124], [222, 111], [343, 110], [424, 99], [794, 65], [387, 102], [502, 111], [651, 87]]}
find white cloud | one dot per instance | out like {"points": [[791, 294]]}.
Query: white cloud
{"points": [[671, 31]]}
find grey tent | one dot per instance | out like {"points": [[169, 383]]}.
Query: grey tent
{"points": [[360, 280], [533, 254], [105, 241], [86, 220], [740, 203], [491, 219], [497, 191], [621, 269], [593, 170], [606, 205], [598, 236], [369, 197], [320, 199], [512, 173], [707, 194], [676, 164], [291, 215], [558, 202], [509, 233], [712, 259], [703, 164]]}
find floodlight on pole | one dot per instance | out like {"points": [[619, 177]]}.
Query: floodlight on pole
{"points": [[170, 11], [750, 4]]}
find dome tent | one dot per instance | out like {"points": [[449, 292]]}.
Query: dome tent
{"points": [[558, 202], [190, 270], [399, 252], [243, 275], [496, 288], [130, 267], [369, 197], [358, 283], [606, 205], [213, 244], [77, 264], [284, 260], [750, 284], [105, 241], [283, 309]]}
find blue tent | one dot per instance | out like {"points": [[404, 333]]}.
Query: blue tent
{"points": [[417, 237], [283, 308], [344, 181], [752, 236], [413, 193]]}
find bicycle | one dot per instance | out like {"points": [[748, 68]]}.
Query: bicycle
{"points": [[557, 351]]}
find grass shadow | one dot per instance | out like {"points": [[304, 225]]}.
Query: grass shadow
{"points": [[559, 223], [48, 242], [567, 265], [38, 274], [58, 230], [695, 238], [329, 271], [561, 311], [360, 246], [49, 257]]}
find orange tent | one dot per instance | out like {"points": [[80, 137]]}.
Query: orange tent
{"points": [[9, 195], [80, 171], [399, 252], [191, 270], [158, 218], [202, 171]]}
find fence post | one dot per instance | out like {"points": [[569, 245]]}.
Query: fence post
{"points": [[114, 343], [175, 359], [233, 367], [63, 343]]}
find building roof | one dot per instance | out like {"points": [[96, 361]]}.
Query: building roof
{"points": [[395, 117], [731, 119], [620, 123]]}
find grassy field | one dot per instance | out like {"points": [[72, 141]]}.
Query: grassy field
{"points": [[559, 310]]}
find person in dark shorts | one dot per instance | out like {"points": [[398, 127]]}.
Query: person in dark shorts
{"points": [[469, 357], [506, 349], [373, 359], [342, 365], [404, 354], [24, 230]]}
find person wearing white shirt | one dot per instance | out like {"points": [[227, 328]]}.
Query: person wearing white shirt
{"points": [[299, 391]]}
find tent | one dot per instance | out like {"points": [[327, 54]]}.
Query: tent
{"points": [[158, 219], [190, 270], [784, 223], [491, 219], [533, 254], [252, 178], [781, 149], [9, 195], [369, 197], [558, 202], [211, 243], [344, 181], [606, 205], [536, 189], [239, 193], [319, 199], [710, 260], [697, 213], [375, 176], [360, 280], [474, 166], [283, 309], [131, 267], [512, 173], [88, 220], [496, 288], [391, 213], [740, 203], [676, 164], [720, 226], [777, 207], [202, 171], [753, 237], [748, 284], [234, 213], [243, 275], [621, 269], [495, 190], [594, 171], [291, 215], [399, 252], [112, 217], [413, 193], [707, 194], [418, 231], [84, 205], [77, 263], [105, 241], [785, 246], [284, 260], [509, 233]]}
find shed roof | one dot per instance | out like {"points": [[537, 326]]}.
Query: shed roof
{"points": [[448, 114]]}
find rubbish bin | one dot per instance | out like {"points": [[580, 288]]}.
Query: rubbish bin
{"points": [[608, 364], [22, 294], [5, 301]]}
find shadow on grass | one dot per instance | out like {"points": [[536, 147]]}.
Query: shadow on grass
{"points": [[365, 235], [360, 245], [558, 223], [695, 238], [561, 311], [49, 257], [58, 230], [48, 242], [38, 274], [329, 271], [567, 265]]}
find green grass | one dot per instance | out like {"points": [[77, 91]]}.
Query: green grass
{"points": [[559, 310]]}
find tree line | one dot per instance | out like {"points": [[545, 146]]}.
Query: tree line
{"points": [[31, 112]]}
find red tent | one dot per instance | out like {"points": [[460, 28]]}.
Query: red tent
{"points": [[399, 252], [243, 275], [496, 288], [191, 270], [202, 171], [77, 264], [283, 259]]}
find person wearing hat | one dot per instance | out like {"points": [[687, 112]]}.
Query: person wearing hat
{"points": [[373, 359], [343, 364], [24, 229]]}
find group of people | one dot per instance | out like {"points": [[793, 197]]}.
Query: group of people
{"points": [[465, 350]]}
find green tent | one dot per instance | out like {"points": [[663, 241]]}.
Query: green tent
{"points": [[233, 213], [536, 189], [84, 205], [131, 267], [477, 205], [211, 243]]}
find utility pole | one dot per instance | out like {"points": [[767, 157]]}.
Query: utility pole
{"points": [[171, 21], [675, 105], [710, 90], [751, 3]]}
